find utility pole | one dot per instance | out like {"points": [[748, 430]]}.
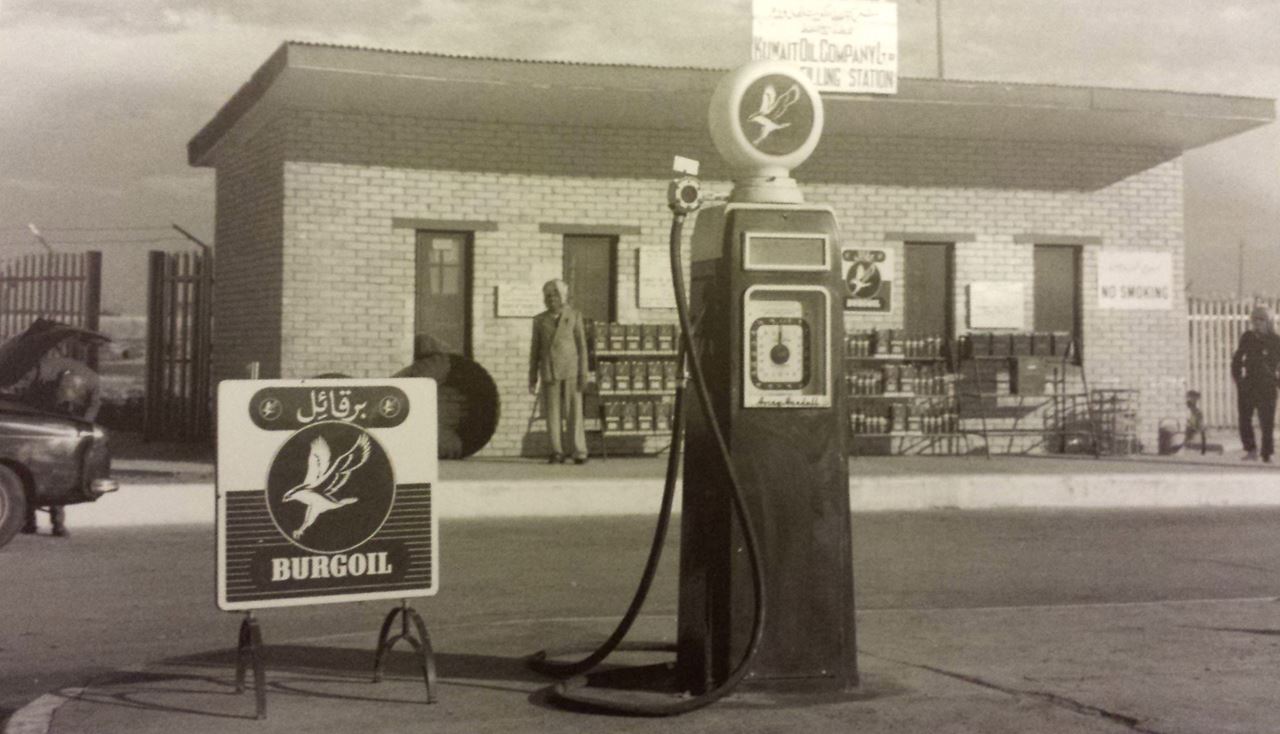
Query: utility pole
{"points": [[938, 34], [35, 231]]}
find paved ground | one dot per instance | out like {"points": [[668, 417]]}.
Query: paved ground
{"points": [[1017, 621], [1154, 666]]}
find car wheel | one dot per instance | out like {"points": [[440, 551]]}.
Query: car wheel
{"points": [[13, 505]]}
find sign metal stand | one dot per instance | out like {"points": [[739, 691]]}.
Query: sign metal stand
{"points": [[421, 645], [249, 650]]}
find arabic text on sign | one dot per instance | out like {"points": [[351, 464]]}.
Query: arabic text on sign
{"points": [[330, 405]]}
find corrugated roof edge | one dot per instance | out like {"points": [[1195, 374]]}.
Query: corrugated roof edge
{"points": [[468, 57], [562, 62], [206, 139]]}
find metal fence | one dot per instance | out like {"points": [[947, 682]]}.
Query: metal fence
{"points": [[63, 286], [1214, 328], [179, 335]]}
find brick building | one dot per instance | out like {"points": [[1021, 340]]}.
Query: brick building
{"points": [[364, 195]]}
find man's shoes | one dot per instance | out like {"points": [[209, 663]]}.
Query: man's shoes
{"points": [[60, 531], [1250, 456], [1266, 459], [28, 528], [556, 459], [579, 460]]}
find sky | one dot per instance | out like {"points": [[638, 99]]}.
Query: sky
{"points": [[98, 98]]}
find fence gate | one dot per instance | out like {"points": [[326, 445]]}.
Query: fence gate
{"points": [[1214, 329], [63, 286], [179, 333]]}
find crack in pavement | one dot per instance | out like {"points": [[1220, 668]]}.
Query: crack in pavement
{"points": [[1061, 701]]}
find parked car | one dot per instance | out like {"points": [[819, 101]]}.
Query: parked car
{"points": [[47, 458]]}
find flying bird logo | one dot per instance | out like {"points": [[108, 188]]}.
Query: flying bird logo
{"points": [[773, 107], [324, 478]]}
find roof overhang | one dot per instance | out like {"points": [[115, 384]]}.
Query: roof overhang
{"points": [[431, 86]]}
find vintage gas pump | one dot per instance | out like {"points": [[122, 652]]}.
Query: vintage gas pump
{"points": [[766, 577], [768, 296]]}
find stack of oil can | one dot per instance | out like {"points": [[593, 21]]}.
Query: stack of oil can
{"points": [[636, 375], [906, 382]]}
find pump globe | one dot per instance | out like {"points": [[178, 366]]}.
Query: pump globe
{"points": [[765, 118]]}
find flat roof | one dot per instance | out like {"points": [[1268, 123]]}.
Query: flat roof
{"points": [[436, 86]]}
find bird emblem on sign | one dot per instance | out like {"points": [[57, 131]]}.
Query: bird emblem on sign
{"points": [[325, 476], [773, 107]]}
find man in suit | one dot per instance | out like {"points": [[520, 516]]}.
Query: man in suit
{"points": [[558, 360]]}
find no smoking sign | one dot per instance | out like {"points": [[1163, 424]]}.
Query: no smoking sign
{"points": [[324, 491]]}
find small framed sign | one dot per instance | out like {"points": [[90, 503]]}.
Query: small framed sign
{"points": [[324, 491]]}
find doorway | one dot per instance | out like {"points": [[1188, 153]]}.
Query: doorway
{"points": [[928, 283]]}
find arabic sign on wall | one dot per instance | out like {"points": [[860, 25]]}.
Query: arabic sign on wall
{"points": [[842, 45], [869, 275], [1135, 279], [324, 491], [997, 305]]}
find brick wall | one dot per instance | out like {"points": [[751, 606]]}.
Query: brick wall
{"points": [[249, 272], [346, 303]]}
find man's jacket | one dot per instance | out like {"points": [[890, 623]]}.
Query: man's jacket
{"points": [[559, 348], [1256, 360]]}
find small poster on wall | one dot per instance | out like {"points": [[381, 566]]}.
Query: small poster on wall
{"points": [[996, 305], [1135, 280], [523, 298], [869, 275], [654, 288]]}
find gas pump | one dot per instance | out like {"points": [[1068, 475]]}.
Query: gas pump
{"points": [[765, 277], [766, 578]]}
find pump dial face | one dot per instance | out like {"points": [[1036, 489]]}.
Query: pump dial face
{"points": [[780, 353]]}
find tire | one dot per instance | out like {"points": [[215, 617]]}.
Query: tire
{"points": [[13, 505]]}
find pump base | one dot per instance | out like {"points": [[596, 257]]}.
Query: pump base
{"points": [[649, 687]]}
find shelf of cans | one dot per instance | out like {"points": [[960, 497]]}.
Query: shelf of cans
{"points": [[888, 344], [636, 376], [900, 380], [1024, 344], [626, 376], [904, 419], [609, 339], [637, 416]]}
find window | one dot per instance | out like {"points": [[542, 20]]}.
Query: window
{"points": [[442, 302], [1057, 288], [589, 269]]}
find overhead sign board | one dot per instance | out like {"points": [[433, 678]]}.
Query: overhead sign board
{"points": [[842, 45], [324, 491]]}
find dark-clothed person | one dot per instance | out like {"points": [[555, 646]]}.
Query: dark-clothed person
{"points": [[558, 360], [1255, 367], [62, 385]]}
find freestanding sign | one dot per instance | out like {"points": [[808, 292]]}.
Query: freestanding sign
{"points": [[324, 491]]}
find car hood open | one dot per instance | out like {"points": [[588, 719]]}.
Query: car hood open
{"points": [[22, 353]]}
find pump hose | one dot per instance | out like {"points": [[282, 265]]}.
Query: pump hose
{"points": [[565, 689], [538, 661]]}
